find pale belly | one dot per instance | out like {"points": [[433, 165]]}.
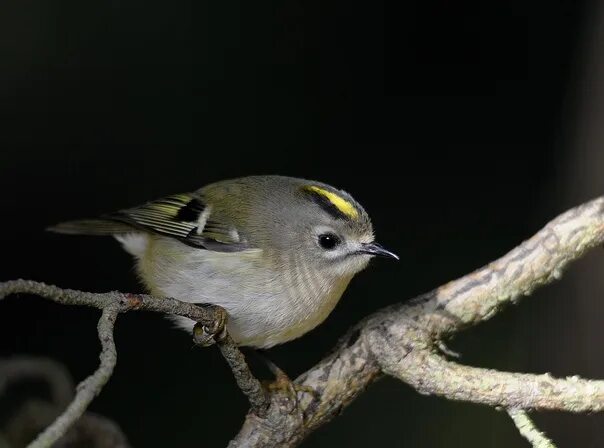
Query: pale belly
{"points": [[265, 307]]}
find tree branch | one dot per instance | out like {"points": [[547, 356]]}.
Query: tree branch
{"points": [[401, 341], [528, 430], [205, 315], [538, 261], [247, 382], [431, 374], [210, 325], [91, 430], [90, 387], [35, 415]]}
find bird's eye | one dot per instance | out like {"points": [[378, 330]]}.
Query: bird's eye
{"points": [[328, 241]]}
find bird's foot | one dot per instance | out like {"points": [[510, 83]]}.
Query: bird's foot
{"points": [[206, 335], [282, 384]]}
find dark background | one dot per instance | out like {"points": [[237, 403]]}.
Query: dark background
{"points": [[454, 123]]}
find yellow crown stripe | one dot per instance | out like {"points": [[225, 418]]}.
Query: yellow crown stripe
{"points": [[339, 202]]}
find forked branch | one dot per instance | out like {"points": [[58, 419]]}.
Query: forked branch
{"points": [[402, 341]]}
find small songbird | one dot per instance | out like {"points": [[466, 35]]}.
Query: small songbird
{"points": [[275, 252]]}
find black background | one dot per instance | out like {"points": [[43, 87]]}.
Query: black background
{"points": [[451, 122]]}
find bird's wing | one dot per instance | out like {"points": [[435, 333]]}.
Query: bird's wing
{"points": [[182, 216]]}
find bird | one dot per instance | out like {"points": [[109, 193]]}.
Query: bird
{"points": [[275, 252]]}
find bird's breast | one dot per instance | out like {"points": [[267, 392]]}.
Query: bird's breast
{"points": [[269, 300]]}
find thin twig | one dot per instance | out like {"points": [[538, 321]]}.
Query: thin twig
{"points": [[247, 382], [91, 429], [206, 316], [528, 430], [112, 303], [90, 387]]}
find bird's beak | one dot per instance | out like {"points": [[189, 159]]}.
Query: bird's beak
{"points": [[376, 249]]}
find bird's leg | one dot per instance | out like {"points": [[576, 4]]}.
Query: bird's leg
{"points": [[282, 382], [204, 335]]}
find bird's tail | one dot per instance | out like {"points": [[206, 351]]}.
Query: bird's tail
{"points": [[91, 227]]}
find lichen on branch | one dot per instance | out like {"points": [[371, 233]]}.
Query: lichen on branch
{"points": [[402, 341]]}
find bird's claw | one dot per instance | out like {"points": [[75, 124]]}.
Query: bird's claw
{"points": [[207, 335], [282, 384]]}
